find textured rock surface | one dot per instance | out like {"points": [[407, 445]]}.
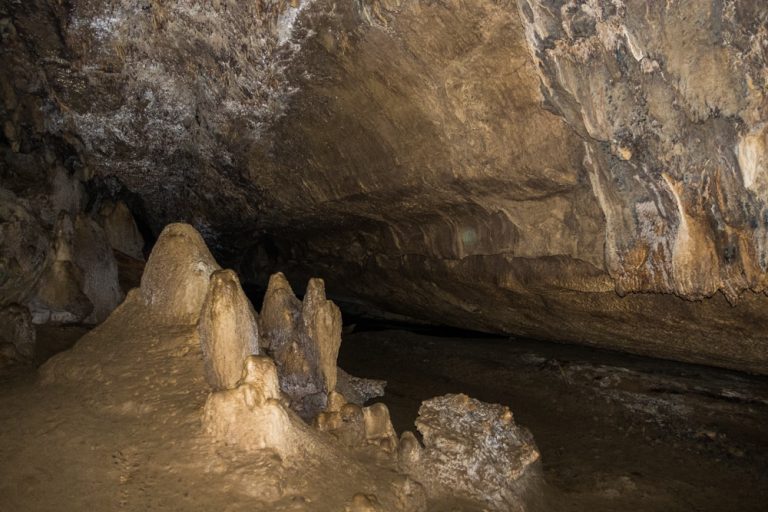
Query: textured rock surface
{"points": [[17, 330], [472, 449], [228, 329], [80, 280], [177, 276], [511, 166], [357, 389], [304, 338], [121, 230], [252, 417]]}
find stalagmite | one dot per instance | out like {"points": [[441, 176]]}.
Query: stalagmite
{"points": [[59, 297], [187, 307], [304, 338], [176, 278], [279, 317], [378, 427], [93, 256], [228, 330], [321, 328], [253, 417], [342, 420], [121, 229]]}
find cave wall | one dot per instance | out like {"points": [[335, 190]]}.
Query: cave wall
{"points": [[586, 171]]}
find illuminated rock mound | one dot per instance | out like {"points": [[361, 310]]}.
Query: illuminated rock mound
{"points": [[187, 353]]}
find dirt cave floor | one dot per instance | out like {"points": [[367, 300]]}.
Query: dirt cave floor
{"points": [[616, 432]]}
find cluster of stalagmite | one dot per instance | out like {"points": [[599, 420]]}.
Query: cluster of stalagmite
{"points": [[275, 390], [273, 380]]}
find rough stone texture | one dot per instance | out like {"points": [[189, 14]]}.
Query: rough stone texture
{"points": [[357, 389], [177, 275], [58, 296], [92, 254], [16, 329], [321, 329], [121, 230], [342, 420], [510, 166], [472, 449], [304, 338], [279, 319], [673, 121], [252, 416], [229, 331]]}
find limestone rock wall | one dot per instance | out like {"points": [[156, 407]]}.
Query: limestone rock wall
{"points": [[586, 171], [670, 100]]}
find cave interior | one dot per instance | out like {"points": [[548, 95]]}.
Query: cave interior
{"points": [[384, 255]]}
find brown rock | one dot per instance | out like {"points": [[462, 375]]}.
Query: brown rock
{"points": [[252, 416], [228, 330], [378, 427], [93, 255], [472, 450], [304, 338], [279, 317], [16, 329], [321, 332], [121, 230], [59, 297], [176, 279]]}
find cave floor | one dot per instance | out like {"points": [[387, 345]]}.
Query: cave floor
{"points": [[616, 432]]}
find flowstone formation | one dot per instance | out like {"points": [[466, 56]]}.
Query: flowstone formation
{"points": [[182, 366]]}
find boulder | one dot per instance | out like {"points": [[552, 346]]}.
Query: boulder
{"points": [[472, 450]]}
